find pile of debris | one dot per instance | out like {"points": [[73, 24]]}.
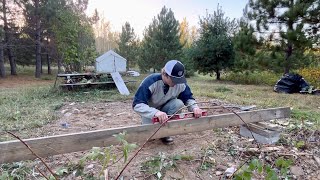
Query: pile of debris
{"points": [[294, 83]]}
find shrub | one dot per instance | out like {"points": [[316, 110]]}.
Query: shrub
{"points": [[311, 75], [259, 78]]}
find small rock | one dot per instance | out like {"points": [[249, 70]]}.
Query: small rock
{"points": [[64, 111], [218, 173], [76, 111], [73, 103], [317, 159], [296, 170], [308, 171], [68, 114], [108, 114], [90, 166], [221, 168], [230, 171]]}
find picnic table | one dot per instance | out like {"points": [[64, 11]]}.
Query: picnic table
{"points": [[73, 80], [82, 79]]}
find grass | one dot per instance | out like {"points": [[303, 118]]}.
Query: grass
{"points": [[304, 107], [32, 107]]}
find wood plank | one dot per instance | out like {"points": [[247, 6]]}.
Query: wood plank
{"points": [[119, 83], [261, 130], [88, 83], [11, 151], [94, 83], [78, 74]]}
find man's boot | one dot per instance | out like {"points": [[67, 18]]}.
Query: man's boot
{"points": [[167, 140]]}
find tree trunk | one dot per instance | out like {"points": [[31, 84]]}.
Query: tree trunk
{"points": [[49, 64], [2, 68], [289, 48], [59, 65], [128, 64], [38, 39], [41, 69], [287, 62], [218, 74], [7, 39], [77, 66]]}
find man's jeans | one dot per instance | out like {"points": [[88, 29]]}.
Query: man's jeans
{"points": [[170, 108]]}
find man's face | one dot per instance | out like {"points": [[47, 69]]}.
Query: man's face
{"points": [[167, 80]]}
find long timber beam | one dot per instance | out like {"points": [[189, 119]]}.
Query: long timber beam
{"points": [[11, 151]]}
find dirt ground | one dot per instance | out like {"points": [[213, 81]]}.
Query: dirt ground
{"points": [[213, 152]]}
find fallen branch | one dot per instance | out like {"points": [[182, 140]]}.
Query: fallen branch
{"points": [[263, 149]]}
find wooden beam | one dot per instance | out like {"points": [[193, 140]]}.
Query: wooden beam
{"points": [[11, 151]]}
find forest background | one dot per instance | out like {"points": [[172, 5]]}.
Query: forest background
{"points": [[50, 33]]}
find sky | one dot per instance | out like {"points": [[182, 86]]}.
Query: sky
{"points": [[139, 13]]}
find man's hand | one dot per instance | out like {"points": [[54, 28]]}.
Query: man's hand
{"points": [[162, 116], [197, 112]]}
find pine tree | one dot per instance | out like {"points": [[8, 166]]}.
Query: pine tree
{"points": [[161, 41], [8, 16], [213, 51], [245, 44], [290, 18], [128, 45]]}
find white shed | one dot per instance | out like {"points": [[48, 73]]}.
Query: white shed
{"points": [[110, 62]]}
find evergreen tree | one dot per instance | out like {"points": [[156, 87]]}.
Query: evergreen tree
{"points": [[61, 30], [128, 45], [245, 45], [290, 17], [186, 39], [74, 37], [161, 41], [9, 12], [213, 51]]}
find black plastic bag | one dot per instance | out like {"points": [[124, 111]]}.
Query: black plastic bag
{"points": [[291, 83]]}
